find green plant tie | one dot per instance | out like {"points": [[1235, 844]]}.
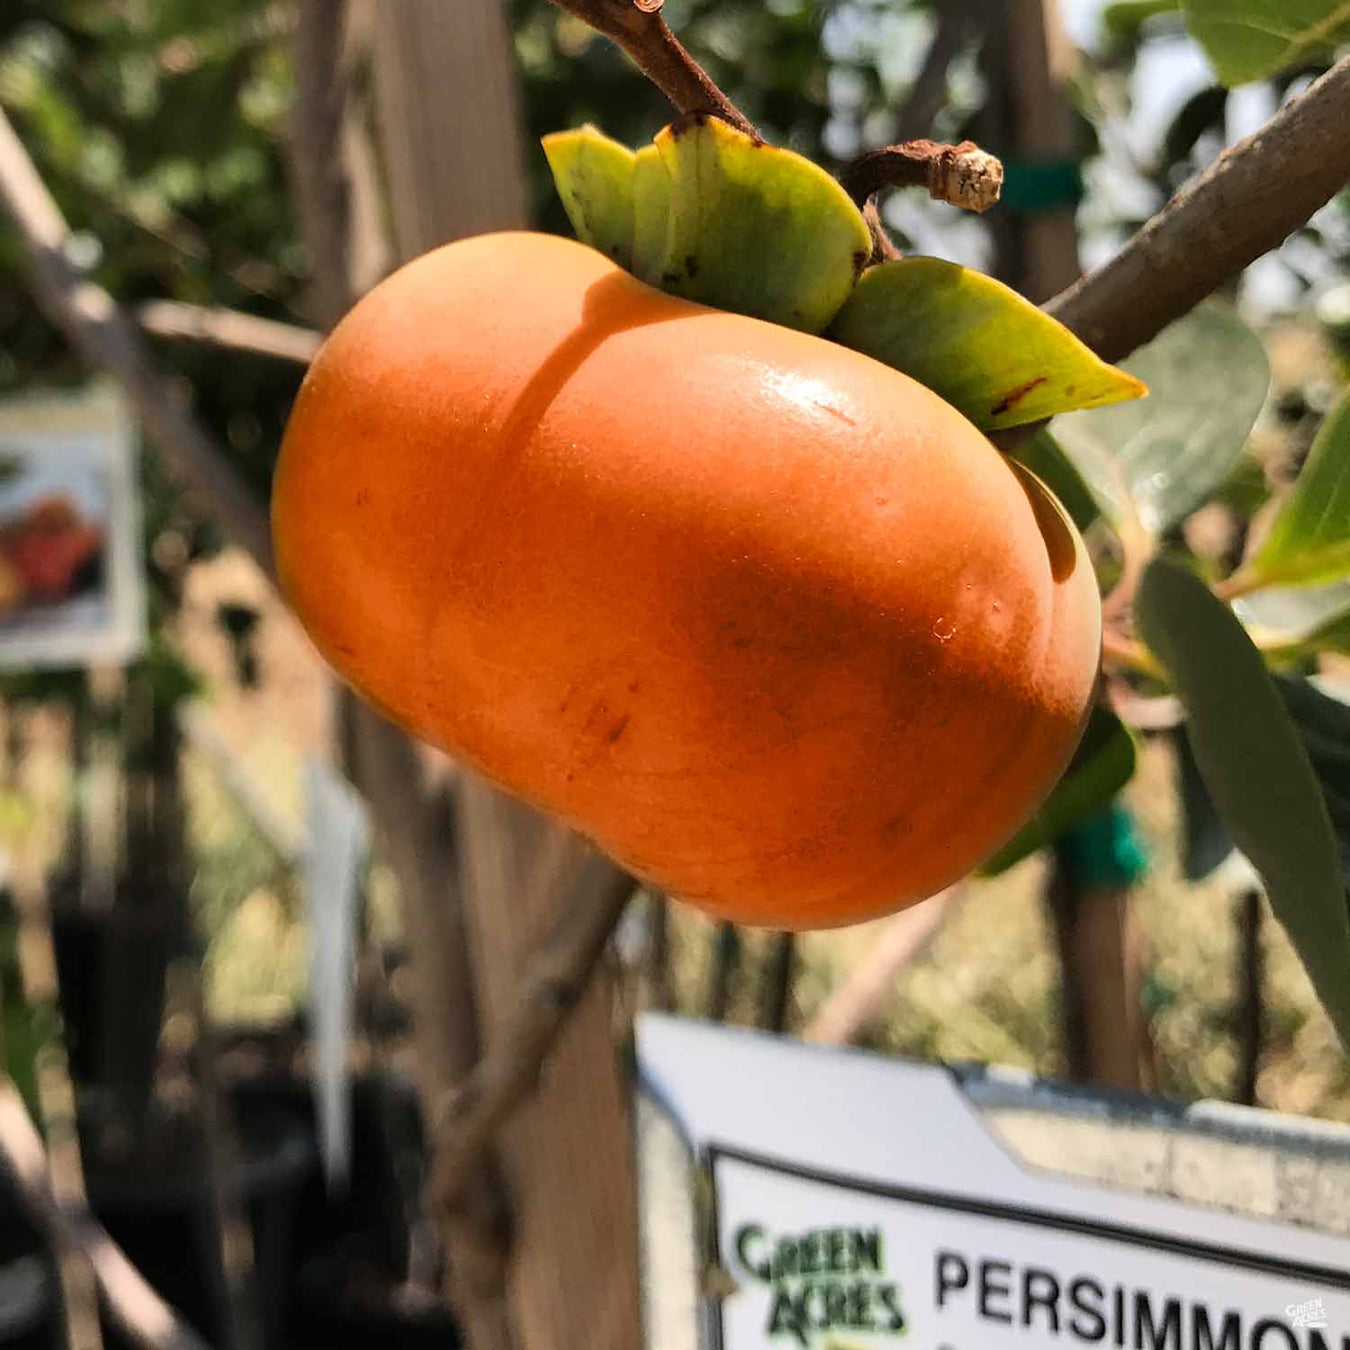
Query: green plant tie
{"points": [[1104, 850], [1033, 186]]}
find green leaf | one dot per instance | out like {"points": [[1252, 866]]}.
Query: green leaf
{"points": [[981, 346], [1322, 718], [1102, 765], [1256, 768], [594, 178], [1309, 540], [1208, 378], [1124, 18], [1042, 454], [1206, 840], [1321, 713], [1294, 623], [749, 228], [1250, 39]]}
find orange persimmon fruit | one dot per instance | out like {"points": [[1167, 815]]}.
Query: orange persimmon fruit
{"points": [[770, 622]]}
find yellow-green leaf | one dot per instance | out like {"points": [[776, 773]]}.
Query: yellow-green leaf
{"points": [[985, 349], [651, 209], [1256, 768], [750, 228], [594, 178]]}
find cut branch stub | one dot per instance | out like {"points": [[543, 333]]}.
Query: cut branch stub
{"points": [[963, 174]]}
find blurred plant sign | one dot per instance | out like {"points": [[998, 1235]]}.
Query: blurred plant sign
{"points": [[849, 1202], [72, 584]]}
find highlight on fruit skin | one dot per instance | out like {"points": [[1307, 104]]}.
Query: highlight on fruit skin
{"points": [[769, 621]]}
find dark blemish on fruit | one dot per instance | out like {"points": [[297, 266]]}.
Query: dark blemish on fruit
{"points": [[691, 265], [633, 687], [669, 278], [363, 497], [618, 729], [1016, 396]]}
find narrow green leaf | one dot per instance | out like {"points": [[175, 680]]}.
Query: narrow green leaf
{"points": [[1256, 768], [1309, 540], [985, 349], [1208, 378], [594, 178], [755, 229], [1042, 454], [1206, 840], [1250, 39], [1323, 722], [1102, 765]]}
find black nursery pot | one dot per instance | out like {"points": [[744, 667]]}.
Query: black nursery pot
{"points": [[163, 1218], [30, 1299]]}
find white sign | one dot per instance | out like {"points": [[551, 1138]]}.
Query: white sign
{"points": [[861, 1204], [336, 845], [72, 587]]}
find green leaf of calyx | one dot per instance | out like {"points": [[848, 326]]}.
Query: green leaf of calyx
{"points": [[985, 349], [1250, 39], [1103, 763], [1255, 767], [1309, 539], [711, 214], [752, 228], [594, 178], [1156, 461]]}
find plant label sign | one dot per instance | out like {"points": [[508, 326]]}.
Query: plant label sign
{"points": [[72, 584], [849, 1202]]}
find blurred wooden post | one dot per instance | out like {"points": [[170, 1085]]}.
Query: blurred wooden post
{"points": [[449, 126], [1251, 1002], [1042, 131], [722, 971]]}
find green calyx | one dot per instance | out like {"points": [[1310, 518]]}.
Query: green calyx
{"points": [[713, 215]]}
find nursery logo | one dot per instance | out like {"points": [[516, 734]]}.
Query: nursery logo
{"points": [[821, 1281], [1310, 1316]]}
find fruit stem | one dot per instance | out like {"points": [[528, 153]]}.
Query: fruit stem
{"points": [[1133, 655], [637, 27]]}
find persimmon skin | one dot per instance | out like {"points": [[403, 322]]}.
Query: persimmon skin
{"points": [[770, 622]]}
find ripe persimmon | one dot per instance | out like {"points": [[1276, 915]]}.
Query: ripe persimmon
{"points": [[772, 623]]}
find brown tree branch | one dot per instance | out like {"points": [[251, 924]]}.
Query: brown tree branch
{"points": [[110, 341], [552, 984], [638, 28], [230, 329], [139, 1312], [1245, 204]]}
